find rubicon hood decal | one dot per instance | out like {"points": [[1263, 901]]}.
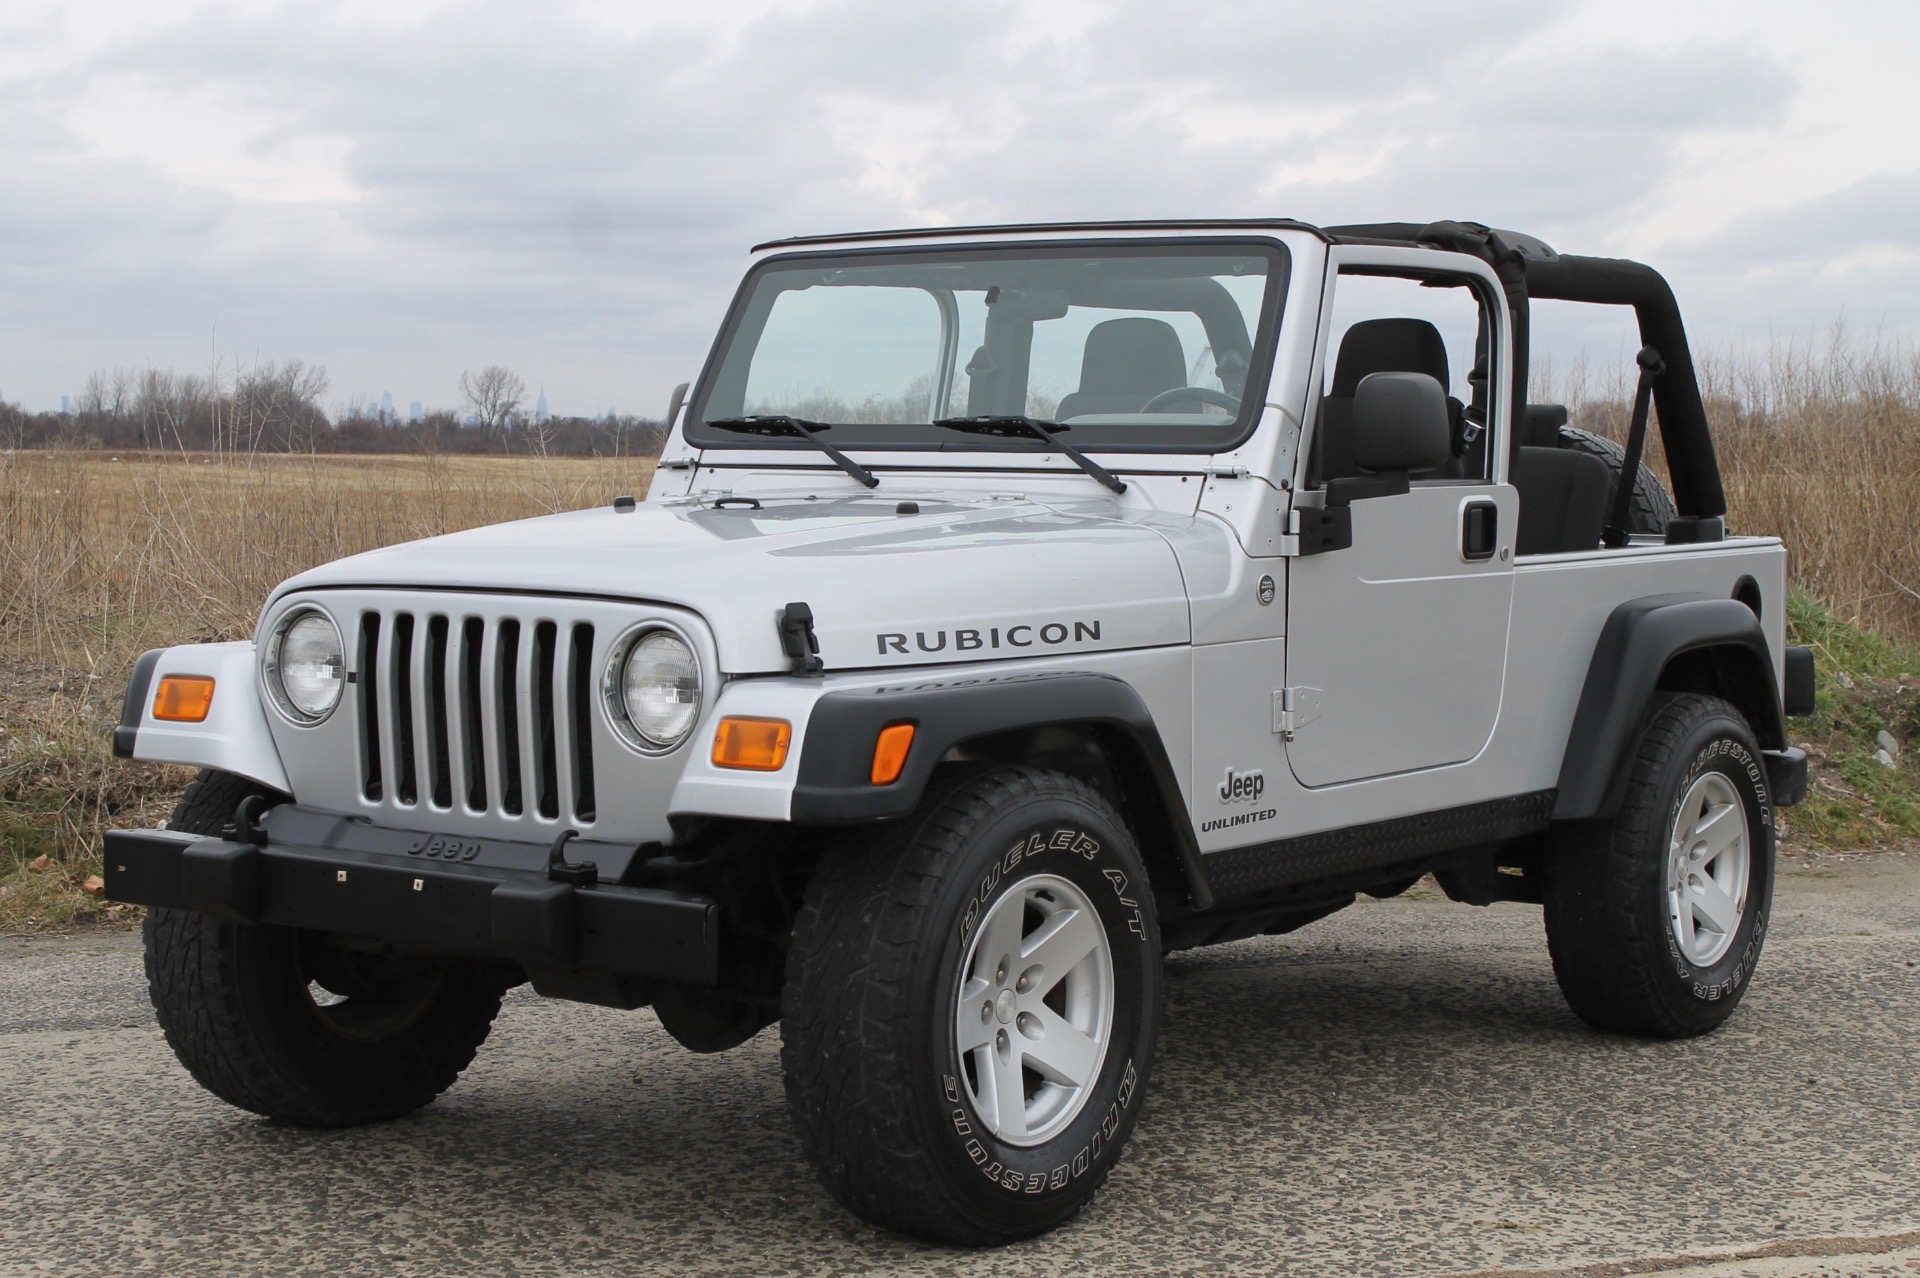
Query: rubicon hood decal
{"points": [[993, 579], [1051, 634]]}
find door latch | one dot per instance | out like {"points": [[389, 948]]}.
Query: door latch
{"points": [[1293, 709]]}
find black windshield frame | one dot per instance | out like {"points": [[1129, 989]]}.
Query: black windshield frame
{"points": [[1089, 437]]}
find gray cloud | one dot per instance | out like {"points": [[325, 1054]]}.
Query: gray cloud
{"points": [[532, 189], [1263, 50]]}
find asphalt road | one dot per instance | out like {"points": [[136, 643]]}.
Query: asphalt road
{"points": [[1398, 1090]]}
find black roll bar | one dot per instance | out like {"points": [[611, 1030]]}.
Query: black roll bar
{"points": [[1528, 269]]}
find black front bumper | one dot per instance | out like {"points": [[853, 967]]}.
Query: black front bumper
{"points": [[330, 874]]}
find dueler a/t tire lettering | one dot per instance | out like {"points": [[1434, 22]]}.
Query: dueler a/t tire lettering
{"points": [[879, 1088], [1609, 895]]}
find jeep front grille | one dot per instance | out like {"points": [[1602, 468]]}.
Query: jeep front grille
{"points": [[484, 714]]}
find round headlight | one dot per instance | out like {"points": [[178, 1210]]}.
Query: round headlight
{"points": [[658, 690], [306, 666]]}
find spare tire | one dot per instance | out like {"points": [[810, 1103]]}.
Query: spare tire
{"points": [[1652, 507]]}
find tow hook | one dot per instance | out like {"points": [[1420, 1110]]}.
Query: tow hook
{"points": [[247, 827], [561, 870]]}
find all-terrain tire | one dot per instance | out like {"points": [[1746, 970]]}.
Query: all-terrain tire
{"points": [[1613, 894], [1652, 506], [889, 1105], [283, 1024]]}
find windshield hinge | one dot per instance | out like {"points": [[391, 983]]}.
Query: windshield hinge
{"points": [[1227, 472], [1293, 709], [677, 463]]}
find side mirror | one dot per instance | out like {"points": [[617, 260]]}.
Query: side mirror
{"points": [[1401, 424]]}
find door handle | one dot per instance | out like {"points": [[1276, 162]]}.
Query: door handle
{"points": [[1479, 530]]}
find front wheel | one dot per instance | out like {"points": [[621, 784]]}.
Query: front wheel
{"points": [[302, 1027], [971, 1009], [1656, 920]]}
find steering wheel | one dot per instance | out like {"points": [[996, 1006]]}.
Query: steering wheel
{"points": [[1219, 399]]}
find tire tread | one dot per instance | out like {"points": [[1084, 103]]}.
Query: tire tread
{"points": [[842, 1057], [195, 977]]}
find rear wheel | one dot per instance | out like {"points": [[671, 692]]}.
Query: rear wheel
{"points": [[1656, 920], [298, 1026], [971, 1009]]}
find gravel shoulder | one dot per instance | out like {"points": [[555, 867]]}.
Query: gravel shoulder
{"points": [[1397, 1090]]}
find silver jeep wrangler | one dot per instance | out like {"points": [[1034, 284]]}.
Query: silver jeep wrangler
{"points": [[1011, 607]]}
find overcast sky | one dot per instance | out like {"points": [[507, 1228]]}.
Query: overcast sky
{"points": [[399, 191]]}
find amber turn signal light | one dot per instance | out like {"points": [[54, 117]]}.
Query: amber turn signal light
{"points": [[183, 699], [759, 745], [890, 752]]}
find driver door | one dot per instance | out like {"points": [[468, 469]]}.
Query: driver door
{"points": [[1397, 644]]}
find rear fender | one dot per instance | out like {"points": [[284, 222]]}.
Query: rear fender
{"points": [[1662, 643]]}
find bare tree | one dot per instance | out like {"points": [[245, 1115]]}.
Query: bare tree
{"points": [[492, 395], [276, 406]]}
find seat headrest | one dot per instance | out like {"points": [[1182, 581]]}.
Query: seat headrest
{"points": [[1542, 423], [1133, 357], [1390, 346]]}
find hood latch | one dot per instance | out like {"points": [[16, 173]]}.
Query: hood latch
{"points": [[798, 641]]}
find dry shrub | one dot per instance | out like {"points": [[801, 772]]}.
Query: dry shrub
{"points": [[1819, 444]]}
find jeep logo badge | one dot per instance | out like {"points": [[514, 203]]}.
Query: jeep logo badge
{"points": [[1242, 785]]}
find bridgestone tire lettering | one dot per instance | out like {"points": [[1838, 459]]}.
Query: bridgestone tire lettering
{"points": [[873, 1078], [1608, 929]]}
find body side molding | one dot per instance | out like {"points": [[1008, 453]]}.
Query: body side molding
{"points": [[1377, 845], [1640, 641]]}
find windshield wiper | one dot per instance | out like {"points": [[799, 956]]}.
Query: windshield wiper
{"points": [[782, 424], [1008, 425]]}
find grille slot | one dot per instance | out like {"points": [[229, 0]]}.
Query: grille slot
{"points": [[433, 695], [473, 735], [401, 672], [545, 751], [367, 681], [494, 716], [580, 683]]}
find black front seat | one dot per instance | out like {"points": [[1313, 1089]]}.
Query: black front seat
{"points": [[1372, 346], [1127, 362]]}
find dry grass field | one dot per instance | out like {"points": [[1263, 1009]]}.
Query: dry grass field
{"points": [[1819, 444], [102, 557]]}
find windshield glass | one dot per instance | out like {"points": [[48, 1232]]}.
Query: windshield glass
{"points": [[1139, 346]]}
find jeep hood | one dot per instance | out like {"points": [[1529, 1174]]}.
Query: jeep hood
{"points": [[959, 579]]}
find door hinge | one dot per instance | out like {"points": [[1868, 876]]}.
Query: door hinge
{"points": [[1314, 530], [1293, 709]]}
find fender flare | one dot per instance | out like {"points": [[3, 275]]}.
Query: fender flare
{"points": [[1637, 646], [834, 786], [234, 737]]}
